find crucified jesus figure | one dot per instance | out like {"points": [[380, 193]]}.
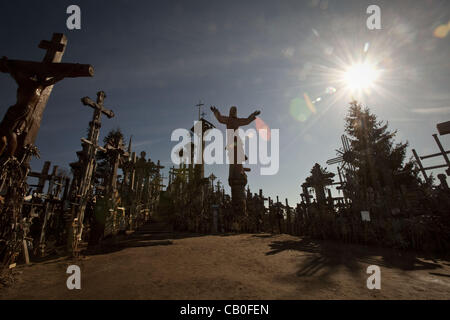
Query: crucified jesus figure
{"points": [[19, 117], [237, 179], [233, 122]]}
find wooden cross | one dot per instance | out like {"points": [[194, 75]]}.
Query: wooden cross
{"points": [[49, 210], [99, 108], [53, 183], [199, 106], [345, 155], [212, 177], [127, 165], [116, 152], [88, 161], [162, 178], [443, 128], [262, 199], [278, 203], [288, 216], [305, 195], [99, 105], [159, 166], [442, 153], [35, 83], [287, 204], [261, 195], [206, 126], [43, 176]]}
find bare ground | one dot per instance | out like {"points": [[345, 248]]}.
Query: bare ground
{"points": [[165, 265]]}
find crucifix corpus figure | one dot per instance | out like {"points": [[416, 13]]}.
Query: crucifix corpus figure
{"points": [[35, 82], [237, 179]]}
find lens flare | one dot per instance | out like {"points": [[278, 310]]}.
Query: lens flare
{"points": [[298, 109], [309, 103], [442, 31], [330, 90], [263, 129], [366, 47]]}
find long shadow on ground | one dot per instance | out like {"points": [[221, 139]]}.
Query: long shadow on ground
{"points": [[326, 256], [147, 236]]}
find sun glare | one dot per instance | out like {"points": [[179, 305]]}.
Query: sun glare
{"points": [[361, 76]]}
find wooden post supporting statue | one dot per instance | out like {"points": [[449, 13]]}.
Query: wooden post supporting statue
{"points": [[237, 178]]}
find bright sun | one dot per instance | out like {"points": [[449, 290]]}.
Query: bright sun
{"points": [[361, 76]]}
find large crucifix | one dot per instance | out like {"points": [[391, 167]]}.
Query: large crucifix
{"points": [[35, 81], [237, 179]]}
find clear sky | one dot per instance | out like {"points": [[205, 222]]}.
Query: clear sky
{"points": [[156, 59]]}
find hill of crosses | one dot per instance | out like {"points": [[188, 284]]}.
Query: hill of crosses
{"points": [[371, 222]]}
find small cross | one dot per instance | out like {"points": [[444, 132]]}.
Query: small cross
{"points": [[43, 176], [199, 105], [98, 106]]}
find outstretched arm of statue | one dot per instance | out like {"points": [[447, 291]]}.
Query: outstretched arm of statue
{"points": [[68, 72], [16, 75], [246, 121], [6, 69], [219, 117]]}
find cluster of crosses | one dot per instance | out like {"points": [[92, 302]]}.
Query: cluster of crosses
{"points": [[197, 205], [360, 210], [194, 203], [60, 212], [94, 203]]}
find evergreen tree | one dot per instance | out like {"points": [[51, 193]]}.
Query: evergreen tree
{"points": [[379, 160]]}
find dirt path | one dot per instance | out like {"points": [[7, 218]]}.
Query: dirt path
{"points": [[153, 265]]}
